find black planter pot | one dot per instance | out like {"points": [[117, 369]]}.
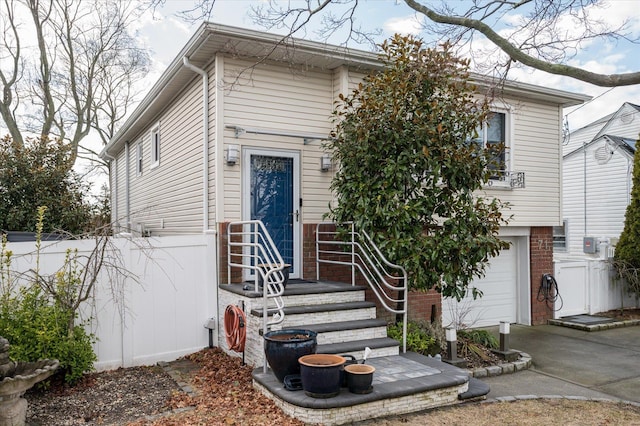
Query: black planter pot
{"points": [[321, 374], [359, 378], [285, 273], [282, 349], [350, 359]]}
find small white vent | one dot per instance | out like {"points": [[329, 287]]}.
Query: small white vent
{"points": [[603, 154], [627, 117]]}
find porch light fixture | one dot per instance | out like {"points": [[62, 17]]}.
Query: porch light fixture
{"points": [[232, 155], [325, 162]]}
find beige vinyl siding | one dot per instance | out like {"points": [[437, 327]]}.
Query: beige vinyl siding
{"points": [[272, 97], [170, 194], [535, 146], [355, 78]]}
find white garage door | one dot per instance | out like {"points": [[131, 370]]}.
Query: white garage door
{"points": [[500, 298]]}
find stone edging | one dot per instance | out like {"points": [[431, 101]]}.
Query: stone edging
{"points": [[595, 327], [556, 397], [507, 368], [177, 377]]}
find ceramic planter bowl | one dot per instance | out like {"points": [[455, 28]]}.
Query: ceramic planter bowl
{"points": [[359, 377], [282, 348], [321, 374]]}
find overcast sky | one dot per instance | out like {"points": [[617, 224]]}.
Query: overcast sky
{"points": [[165, 33]]}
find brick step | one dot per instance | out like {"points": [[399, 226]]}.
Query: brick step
{"points": [[344, 331], [380, 347]]}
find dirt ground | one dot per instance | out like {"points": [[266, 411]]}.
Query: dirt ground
{"points": [[222, 394], [622, 314]]}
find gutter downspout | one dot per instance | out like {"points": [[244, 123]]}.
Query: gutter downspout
{"points": [[205, 139]]}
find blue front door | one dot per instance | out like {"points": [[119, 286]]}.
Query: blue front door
{"points": [[273, 199]]}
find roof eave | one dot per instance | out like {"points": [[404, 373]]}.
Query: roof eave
{"points": [[332, 54]]}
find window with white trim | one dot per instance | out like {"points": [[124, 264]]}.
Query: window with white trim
{"points": [[139, 158], [495, 131], [155, 146]]}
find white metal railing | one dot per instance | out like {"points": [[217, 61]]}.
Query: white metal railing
{"points": [[344, 245], [250, 247], [507, 178]]}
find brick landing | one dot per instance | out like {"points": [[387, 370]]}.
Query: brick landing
{"points": [[401, 384]]}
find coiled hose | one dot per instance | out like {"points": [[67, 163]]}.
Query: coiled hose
{"points": [[234, 328]]}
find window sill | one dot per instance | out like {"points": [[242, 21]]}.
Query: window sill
{"points": [[498, 184], [506, 180]]}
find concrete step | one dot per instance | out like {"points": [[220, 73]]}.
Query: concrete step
{"points": [[318, 314], [345, 331], [380, 347], [301, 293]]}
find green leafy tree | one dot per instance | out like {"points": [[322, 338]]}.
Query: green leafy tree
{"points": [[409, 173], [627, 257], [37, 173]]}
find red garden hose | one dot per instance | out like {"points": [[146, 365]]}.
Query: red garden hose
{"points": [[234, 328]]}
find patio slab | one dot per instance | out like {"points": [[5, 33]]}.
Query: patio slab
{"points": [[401, 384]]}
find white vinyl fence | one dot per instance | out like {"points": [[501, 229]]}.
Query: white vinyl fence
{"points": [[157, 310], [587, 286]]}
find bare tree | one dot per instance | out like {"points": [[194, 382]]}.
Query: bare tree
{"points": [[541, 34], [67, 68]]}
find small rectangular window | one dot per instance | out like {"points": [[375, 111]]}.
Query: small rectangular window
{"points": [[560, 237], [155, 146], [139, 158], [495, 131]]}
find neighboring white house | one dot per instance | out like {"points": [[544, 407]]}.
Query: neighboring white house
{"points": [[596, 186], [236, 102]]}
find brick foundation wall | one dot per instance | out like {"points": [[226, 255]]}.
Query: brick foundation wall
{"points": [[425, 305], [541, 252], [236, 273]]}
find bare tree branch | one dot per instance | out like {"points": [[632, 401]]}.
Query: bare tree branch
{"points": [[79, 76], [518, 54], [540, 39]]}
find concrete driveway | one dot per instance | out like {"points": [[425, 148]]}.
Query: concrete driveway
{"points": [[570, 362]]}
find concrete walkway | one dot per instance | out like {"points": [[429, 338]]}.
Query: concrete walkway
{"points": [[569, 362]]}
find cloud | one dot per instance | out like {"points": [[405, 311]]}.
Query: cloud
{"points": [[405, 25]]}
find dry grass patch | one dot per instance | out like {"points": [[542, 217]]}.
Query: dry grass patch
{"points": [[529, 412]]}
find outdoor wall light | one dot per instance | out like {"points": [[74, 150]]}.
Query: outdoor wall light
{"points": [[232, 155], [325, 162]]}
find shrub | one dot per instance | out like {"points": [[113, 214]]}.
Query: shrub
{"points": [[37, 329], [39, 314], [418, 338], [479, 337], [627, 256]]}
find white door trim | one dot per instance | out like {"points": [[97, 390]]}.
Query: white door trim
{"points": [[247, 152]]}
